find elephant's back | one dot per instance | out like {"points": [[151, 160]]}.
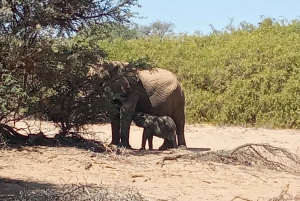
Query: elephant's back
{"points": [[159, 84], [172, 105]]}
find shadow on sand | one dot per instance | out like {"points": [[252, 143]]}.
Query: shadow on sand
{"points": [[76, 140], [157, 151], [60, 140], [198, 149], [10, 188]]}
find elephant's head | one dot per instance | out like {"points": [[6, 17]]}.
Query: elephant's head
{"points": [[141, 119], [106, 71], [117, 82], [118, 89]]}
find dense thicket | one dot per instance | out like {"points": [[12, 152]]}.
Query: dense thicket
{"points": [[245, 75], [43, 65]]}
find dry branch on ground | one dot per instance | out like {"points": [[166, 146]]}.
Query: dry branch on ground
{"points": [[283, 196], [172, 157], [251, 154]]}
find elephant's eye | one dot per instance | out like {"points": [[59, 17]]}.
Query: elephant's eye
{"points": [[123, 95], [105, 76]]}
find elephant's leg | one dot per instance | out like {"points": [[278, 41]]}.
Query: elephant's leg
{"points": [[115, 125], [115, 128], [150, 142], [144, 139], [173, 140], [179, 119], [126, 113], [166, 145], [180, 134], [125, 120], [174, 144]]}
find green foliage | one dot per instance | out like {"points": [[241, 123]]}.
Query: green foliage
{"points": [[110, 31], [141, 63], [245, 75], [157, 28], [11, 94], [43, 68], [61, 17], [12, 90], [59, 85]]}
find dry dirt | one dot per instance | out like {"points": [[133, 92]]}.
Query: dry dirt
{"points": [[181, 179]]}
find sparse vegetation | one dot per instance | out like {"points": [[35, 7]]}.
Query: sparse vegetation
{"points": [[43, 63]]}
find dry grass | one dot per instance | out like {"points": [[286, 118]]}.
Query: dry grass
{"points": [[265, 155], [283, 196], [80, 193]]}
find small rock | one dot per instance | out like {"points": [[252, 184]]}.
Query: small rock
{"points": [[88, 166]]}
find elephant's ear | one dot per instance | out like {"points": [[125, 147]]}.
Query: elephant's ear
{"points": [[159, 84]]}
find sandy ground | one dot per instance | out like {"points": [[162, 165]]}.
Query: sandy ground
{"points": [[183, 179]]}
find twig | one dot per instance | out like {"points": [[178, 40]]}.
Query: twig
{"points": [[282, 194], [87, 191], [239, 197], [172, 157]]}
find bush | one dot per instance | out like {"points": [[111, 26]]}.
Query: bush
{"points": [[240, 75]]}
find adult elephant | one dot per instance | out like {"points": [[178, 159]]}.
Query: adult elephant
{"points": [[156, 92]]}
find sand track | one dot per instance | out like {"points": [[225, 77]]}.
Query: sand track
{"points": [[180, 179]]}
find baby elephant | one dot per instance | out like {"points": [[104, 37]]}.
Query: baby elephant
{"points": [[163, 127]]}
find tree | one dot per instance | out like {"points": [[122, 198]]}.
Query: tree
{"points": [[64, 16], [159, 28], [110, 31], [43, 63]]}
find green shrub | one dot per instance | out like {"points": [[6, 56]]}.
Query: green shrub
{"points": [[240, 75]]}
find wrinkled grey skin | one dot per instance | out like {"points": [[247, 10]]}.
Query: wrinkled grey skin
{"points": [[162, 127], [129, 96]]}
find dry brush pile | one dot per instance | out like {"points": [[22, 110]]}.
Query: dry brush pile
{"points": [[251, 154], [78, 192]]}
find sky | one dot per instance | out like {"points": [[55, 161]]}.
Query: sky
{"points": [[197, 15]]}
